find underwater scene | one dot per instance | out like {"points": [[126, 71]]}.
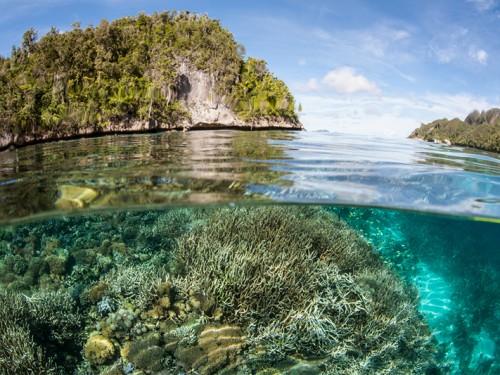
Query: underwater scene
{"points": [[249, 253]]}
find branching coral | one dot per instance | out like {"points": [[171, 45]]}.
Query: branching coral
{"points": [[272, 289], [37, 333], [136, 284], [303, 283]]}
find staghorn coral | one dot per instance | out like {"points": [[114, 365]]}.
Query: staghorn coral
{"points": [[38, 333], [135, 284], [19, 354], [303, 283]]}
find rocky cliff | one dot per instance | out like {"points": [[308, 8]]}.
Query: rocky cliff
{"points": [[137, 74], [196, 93]]}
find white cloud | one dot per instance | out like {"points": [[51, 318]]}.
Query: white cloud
{"points": [[393, 116], [400, 34], [381, 40], [444, 55], [454, 105], [322, 34], [483, 5], [310, 86], [346, 80], [479, 55]]}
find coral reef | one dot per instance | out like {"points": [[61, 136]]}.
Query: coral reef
{"points": [[261, 290], [217, 347], [302, 282], [39, 334], [98, 349]]}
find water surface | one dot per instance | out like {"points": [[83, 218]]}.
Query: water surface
{"points": [[231, 166]]}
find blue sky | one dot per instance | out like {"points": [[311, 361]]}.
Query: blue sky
{"points": [[373, 67]]}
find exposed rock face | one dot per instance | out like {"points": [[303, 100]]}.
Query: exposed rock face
{"points": [[490, 117], [195, 89]]}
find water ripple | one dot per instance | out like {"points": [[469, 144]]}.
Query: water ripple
{"points": [[230, 166]]}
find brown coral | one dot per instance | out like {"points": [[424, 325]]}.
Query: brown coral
{"points": [[99, 350], [217, 347]]}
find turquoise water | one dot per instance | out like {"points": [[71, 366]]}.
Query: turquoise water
{"points": [[249, 253]]}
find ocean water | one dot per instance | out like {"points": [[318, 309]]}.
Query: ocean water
{"points": [[226, 252]]}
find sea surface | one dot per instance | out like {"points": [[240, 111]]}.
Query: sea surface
{"points": [[238, 252]]}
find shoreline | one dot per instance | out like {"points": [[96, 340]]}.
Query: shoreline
{"points": [[8, 143], [447, 142]]}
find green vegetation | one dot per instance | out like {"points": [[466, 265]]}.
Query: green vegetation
{"points": [[127, 70], [479, 130], [260, 94]]}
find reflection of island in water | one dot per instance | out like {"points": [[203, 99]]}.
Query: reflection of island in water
{"points": [[129, 170], [223, 166]]}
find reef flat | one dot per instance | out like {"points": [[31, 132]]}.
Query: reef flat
{"points": [[261, 290]]}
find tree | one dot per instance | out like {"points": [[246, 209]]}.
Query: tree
{"points": [[29, 41]]}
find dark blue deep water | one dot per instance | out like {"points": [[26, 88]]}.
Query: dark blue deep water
{"points": [[249, 253]]}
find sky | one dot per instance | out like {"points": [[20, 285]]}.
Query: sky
{"points": [[378, 67]]}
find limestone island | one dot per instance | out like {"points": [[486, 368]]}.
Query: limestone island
{"points": [[137, 74], [479, 130]]}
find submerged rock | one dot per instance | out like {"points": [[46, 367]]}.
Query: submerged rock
{"points": [[75, 197]]}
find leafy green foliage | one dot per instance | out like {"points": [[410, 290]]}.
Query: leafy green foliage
{"points": [[126, 70], [260, 94]]}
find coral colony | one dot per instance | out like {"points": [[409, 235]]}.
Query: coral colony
{"points": [[264, 290]]}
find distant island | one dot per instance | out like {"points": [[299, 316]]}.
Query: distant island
{"points": [[165, 71], [480, 130]]}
